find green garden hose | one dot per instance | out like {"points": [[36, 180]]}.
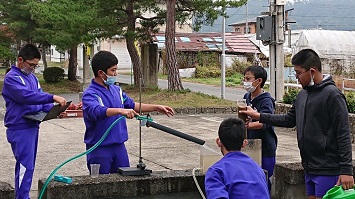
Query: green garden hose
{"points": [[86, 152]]}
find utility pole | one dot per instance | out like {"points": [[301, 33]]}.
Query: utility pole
{"points": [[246, 18], [223, 58], [276, 58]]}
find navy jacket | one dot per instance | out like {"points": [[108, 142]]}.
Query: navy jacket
{"points": [[320, 115], [263, 103]]}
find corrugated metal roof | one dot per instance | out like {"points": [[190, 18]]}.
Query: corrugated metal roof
{"points": [[328, 43], [235, 42]]}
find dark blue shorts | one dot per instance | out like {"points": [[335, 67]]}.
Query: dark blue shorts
{"points": [[109, 157], [319, 185]]}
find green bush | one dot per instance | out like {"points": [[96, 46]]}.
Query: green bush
{"points": [[208, 59], [350, 98], [234, 79], [290, 96], [240, 66], [53, 74], [205, 72]]}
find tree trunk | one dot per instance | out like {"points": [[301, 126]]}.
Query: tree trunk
{"points": [[130, 38], [44, 58], [174, 81], [73, 58]]}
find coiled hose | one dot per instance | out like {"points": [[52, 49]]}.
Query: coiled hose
{"points": [[78, 156]]}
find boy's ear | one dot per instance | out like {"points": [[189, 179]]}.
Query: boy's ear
{"points": [[260, 80], [218, 142], [245, 142]]}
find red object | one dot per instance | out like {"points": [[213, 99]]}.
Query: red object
{"points": [[77, 106]]}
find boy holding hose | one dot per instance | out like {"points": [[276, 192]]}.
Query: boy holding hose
{"points": [[103, 103]]}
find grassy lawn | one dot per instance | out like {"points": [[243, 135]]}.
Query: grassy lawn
{"points": [[64, 86], [232, 81], [184, 98]]}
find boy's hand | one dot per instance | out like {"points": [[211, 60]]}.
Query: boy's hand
{"points": [[59, 100], [166, 110], [129, 113], [251, 112], [346, 181]]}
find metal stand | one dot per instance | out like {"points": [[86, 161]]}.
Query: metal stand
{"points": [[140, 170]]}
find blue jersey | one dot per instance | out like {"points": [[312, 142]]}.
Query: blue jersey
{"points": [[237, 176], [23, 95], [96, 100]]}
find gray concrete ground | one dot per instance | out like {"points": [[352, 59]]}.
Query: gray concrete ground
{"points": [[62, 139]]}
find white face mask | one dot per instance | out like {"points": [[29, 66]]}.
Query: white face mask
{"points": [[248, 86], [26, 70], [311, 83]]}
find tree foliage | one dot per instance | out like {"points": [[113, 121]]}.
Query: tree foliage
{"points": [[66, 24], [7, 55], [15, 14], [128, 12]]}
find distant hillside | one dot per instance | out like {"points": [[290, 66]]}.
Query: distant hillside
{"points": [[311, 14]]}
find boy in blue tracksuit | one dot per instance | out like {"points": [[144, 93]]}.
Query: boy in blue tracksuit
{"points": [[236, 175], [23, 95], [254, 80], [103, 103]]}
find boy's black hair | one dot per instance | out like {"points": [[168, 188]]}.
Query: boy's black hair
{"points": [[258, 72], [306, 59], [231, 132], [103, 60], [29, 52]]}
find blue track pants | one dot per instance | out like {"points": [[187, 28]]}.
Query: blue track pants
{"points": [[24, 147]]}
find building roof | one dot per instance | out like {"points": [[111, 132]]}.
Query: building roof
{"points": [[235, 43], [251, 20], [328, 43]]}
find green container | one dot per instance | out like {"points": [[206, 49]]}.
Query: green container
{"points": [[337, 192]]}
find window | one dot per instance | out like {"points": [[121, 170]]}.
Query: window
{"points": [[218, 39], [185, 39], [248, 30], [207, 39]]}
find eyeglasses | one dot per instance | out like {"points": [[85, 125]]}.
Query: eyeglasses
{"points": [[247, 79], [299, 74], [32, 65]]}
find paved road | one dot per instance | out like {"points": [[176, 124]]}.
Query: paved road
{"points": [[230, 93]]}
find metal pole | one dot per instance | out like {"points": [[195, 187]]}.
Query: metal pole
{"points": [[223, 58], [140, 125], [289, 36], [246, 18], [272, 53]]}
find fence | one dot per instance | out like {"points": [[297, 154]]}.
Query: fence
{"points": [[343, 88], [289, 84]]}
